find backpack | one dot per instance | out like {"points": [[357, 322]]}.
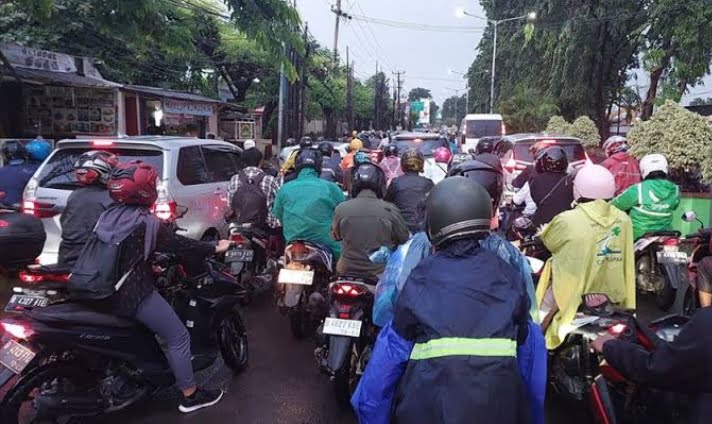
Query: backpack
{"points": [[249, 201], [95, 275]]}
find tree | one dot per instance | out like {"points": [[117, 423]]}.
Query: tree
{"points": [[701, 102], [434, 109], [585, 129], [527, 110], [453, 110], [418, 93], [558, 125]]}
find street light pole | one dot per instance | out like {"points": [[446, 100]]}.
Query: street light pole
{"points": [[494, 66], [467, 89]]}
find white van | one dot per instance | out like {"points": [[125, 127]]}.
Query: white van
{"points": [[476, 126]]}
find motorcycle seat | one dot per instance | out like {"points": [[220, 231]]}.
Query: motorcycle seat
{"points": [[53, 269], [70, 313], [661, 234]]}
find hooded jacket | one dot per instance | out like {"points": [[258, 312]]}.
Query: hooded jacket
{"points": [[13, 179], [651, 205], [408, 193], [592, 252], [624, 168], [391, 166], [84, 206]]}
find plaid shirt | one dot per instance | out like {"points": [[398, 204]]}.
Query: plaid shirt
{"points": [[269, 186]]}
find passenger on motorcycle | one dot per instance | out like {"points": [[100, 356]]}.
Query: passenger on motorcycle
{"points": [[365, 223], [391, 163], [622, 165], [354, 146], [652, 202], [331, 166], [289, 167], [551, 188], [21, 162], [84, 206], [130, 223], [408, 192], [243, 201], [592, 252], [682, 365], [305, 207]]}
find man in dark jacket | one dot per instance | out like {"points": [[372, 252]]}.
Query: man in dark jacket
{"points": [[408, 192], [16, 173], [681, 366], [551, 188], [365, 223], [86, 204], [331, 165]]}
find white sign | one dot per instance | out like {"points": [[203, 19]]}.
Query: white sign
{"points": [[26, 57], [342, 327], [187, 108], [424, 115]]}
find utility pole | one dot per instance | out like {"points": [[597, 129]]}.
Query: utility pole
{"points": [[400, 109], [349, 92], [280, 108], [303, 81], [376, 99], [393, 117], [339, 14]]}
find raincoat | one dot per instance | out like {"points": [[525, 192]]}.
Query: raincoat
{"points": [[14, 178], [592, 248], [651, 205], [391, 166], [624, 168], [305, 207]]}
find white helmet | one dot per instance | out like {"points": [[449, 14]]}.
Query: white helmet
{"points": [[652, 163], [615, 144], [594, 182], [248, 144]]}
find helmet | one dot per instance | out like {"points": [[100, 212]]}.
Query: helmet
{"points": [[38, 150], [552, 159], [356, 145], [594, 182], [615, 144], [368, 176], [248, 144], [457, 208], [305, 143], [412, 160], [134, 183], [326, 149], [291, 142], [442, 155], [486, 145], [488, 175], [14, 150], [653, 163], [309, 158], [95, 166], [361, 157], [391, 150]]}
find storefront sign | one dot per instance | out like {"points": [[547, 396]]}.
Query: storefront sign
{"points": [[26, 57], [187, 108]]}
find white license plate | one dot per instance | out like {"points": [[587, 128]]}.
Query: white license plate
{"points": [[342, 327], [22, 301], [672, 257], [15, 357], [294, 276]]}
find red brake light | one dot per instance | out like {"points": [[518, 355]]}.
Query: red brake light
{"points": [[348, 290], [671, 242], [31, 278], [102, 143], [238, 238], [165, 210], [18, 331], [38, 209]]}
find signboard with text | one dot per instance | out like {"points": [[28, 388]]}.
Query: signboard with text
{"points": [[187, 108], [27, 57]]}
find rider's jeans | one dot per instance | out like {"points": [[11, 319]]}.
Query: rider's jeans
{"points": [[156, 314]]}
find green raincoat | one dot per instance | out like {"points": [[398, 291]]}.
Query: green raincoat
{"points": [[651, 205], [305, 207], [592, 252]]}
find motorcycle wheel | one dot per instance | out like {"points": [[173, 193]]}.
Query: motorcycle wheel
{"points": [[345, 381], [299, 319], [232, 339], [665, 296]]}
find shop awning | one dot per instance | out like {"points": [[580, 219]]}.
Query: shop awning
{"points": [[37, 76], [173, 94]]}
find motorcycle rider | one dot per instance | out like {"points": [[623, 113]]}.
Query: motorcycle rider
{"points": [[551, 189], [289, 167], [592, 252], [408, 192], [129, 222], [652, 202], [354, 146], [331, 166], [21, 163], [84, 205], [622, 165], [391, 163], [305, 207], [679, 366], [365, 223]]}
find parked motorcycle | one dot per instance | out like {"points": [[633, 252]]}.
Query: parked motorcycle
{"points": [[73, 361], [347, 336], [301, 292], [252, 259], [660, 266]]}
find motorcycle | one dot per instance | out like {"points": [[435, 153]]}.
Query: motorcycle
{"points": [[302, 285], [347, 336], [40, 286], [660, 266], [252, 259], [66, 360]]}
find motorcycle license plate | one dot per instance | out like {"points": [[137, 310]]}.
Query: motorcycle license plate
{"points": [[20, 302], [294, 276], [342, 327], [672, 257], [15, 356], [239, 255]]}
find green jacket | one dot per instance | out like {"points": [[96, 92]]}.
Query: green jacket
{"points": [[651, 205], [305, 207]]}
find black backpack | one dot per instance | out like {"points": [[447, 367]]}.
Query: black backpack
{"points": [[249, 201], [95, 275]]}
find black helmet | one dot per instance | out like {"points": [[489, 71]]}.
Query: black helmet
{"points": [[552, 159], [308, 158], [485, 173], [305, 142], [368, 176], [486, 145], [391, 150], [291, 142], [457, 208], [326, 149], [13, 150]]}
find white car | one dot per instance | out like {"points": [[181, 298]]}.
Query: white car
{"points": [[193, 173], [427, 145]]}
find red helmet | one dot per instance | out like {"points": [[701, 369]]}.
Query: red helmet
{"points": [[134, 183], [442, 155], [95, 166]]}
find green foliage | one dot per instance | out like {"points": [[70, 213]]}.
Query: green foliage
{"points": [[454, 110], [684, 137], [434, 109], [527, 110], [585, 129], [419, 93], [558, 125]]}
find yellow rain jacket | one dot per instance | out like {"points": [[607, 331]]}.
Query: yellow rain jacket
{"points": [[592, 248]]}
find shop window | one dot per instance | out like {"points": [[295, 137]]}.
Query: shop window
{"points": [[220, 162], [191, 168]]}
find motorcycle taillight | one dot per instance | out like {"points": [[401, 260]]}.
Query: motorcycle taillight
{"points": [[238, 238], [348, 290], [671, 242]]}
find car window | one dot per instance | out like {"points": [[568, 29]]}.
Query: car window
{"points": [[573, 148], [483, 128], [222, 163], [58, 172], [427, 147], [191, 168]]}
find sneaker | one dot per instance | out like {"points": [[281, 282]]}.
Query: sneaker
{"points": [[202, 398]]}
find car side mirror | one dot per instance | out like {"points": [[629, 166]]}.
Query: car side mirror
{"points": [[181, 211], [689, 216]]}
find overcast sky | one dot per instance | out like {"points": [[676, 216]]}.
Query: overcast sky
{"points": [[398, 45]]}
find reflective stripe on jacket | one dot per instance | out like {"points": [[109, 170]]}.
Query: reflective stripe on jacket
{"points": [[458, 346]]}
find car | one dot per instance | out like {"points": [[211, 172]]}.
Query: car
{"points": [[477, 125], [193, 173], [427, 145], [340, 147]]}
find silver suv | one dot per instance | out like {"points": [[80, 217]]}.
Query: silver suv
{"points": [[193, 173]]}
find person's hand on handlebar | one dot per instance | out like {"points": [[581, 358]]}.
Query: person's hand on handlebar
{"points": [[222, 246]]}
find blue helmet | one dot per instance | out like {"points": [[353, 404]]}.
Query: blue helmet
{"points": [[38, 150]]}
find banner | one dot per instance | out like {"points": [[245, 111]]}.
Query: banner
{"points": [[27, 57], [187, 108]]}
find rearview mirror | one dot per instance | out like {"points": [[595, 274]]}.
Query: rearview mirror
{"points": [[181, 211], [689, 216]]}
